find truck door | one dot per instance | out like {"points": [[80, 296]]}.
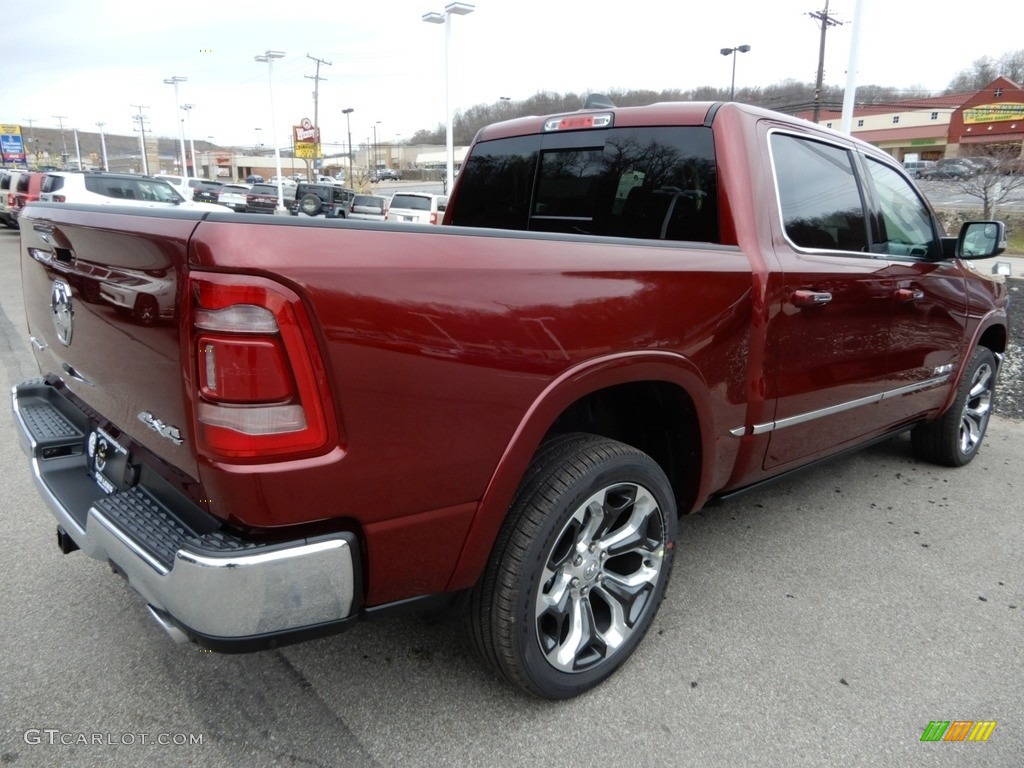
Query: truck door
{"points": [[927, 336], [828, 338]]}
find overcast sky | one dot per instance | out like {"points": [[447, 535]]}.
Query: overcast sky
{"points": [[92, 60]]}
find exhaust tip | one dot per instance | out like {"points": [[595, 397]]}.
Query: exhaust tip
{"points": [[172, 629]]}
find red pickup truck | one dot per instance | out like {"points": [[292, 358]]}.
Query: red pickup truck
{"points": [[628, 313]]}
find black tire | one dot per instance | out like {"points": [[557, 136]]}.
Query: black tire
{"points": [[90, 290], [589, 513], [147, 310], [954, 438], [311, 204]]}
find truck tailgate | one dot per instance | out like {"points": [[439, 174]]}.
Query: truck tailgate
{"points": [[101, 295]]}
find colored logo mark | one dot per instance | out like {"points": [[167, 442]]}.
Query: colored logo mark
{"points": [[958, 730]]}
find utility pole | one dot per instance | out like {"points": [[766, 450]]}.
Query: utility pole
{"points": [[826, 21], [32, 133], [316, 106], [63, 139], [141, 120]]}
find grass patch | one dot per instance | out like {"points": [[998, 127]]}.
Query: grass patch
{"points": [[1015, 242]]}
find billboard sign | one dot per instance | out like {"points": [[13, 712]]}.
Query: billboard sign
{"points": [[11, 144]]}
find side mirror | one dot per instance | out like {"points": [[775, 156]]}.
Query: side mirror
{"points": [[981, 239]]}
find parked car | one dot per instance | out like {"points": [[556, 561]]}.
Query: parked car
{"points": [[386, 174], [417, 207], [101, 188], [26, 191], [262, 198], [206, 191], [252, 178], [982, 164], [917, 168], [369, 208], [233, 196], [327, 199], [285, 181], [949, 170], [8, 188]]}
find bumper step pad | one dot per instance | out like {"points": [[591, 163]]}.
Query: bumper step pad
{"points": [[138, 515]]}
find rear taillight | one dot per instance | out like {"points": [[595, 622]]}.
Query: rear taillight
{"points": [[258, 382], [433, 218]]}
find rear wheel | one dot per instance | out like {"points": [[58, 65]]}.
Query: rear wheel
{"points": [[579, 569], [954, 438]]}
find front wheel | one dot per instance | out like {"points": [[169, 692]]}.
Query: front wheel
{"points": [[954, 438], [579, 569]]}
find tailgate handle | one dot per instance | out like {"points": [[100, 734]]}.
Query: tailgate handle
{"points": [[806, 298]]}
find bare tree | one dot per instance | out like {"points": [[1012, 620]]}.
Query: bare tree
{"points": [[986, 69], [998, 175]]}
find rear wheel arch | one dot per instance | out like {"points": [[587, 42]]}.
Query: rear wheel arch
{"points": [[671, 424]]}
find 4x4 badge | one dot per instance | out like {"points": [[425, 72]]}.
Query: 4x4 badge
{"points": [[62, 311]]}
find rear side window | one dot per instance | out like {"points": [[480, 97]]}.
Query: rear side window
{"points": [[652, 183], [113, 187], [52, 183], [819, 194], [23, 182]]}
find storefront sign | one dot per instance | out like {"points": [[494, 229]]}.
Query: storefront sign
{"points": [[994, 113]]}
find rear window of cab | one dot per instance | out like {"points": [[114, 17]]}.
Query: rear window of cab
{"points": [[644, 182]]}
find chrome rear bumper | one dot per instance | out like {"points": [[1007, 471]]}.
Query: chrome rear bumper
{"points": [[215, 587]]}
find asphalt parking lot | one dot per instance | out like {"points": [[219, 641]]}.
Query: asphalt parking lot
{"points": [[824, 620]]}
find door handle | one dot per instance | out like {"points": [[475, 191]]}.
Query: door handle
{"points": [[805, 298], [909, 294]]}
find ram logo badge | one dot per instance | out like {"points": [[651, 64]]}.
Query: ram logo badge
{"points": [[62, 311]]}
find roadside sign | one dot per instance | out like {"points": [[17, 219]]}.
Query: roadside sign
{"points": [[11, 144]]}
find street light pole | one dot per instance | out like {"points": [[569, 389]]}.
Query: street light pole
{"points": [[376, 148], [174, 80], [191, 143], [732, 52], [348, 126], [268, 58], [457, 9], [78, 148], [140, 119], [103, 146]]}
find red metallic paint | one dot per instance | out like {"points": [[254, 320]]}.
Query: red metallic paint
{"points": [[449, 354]]}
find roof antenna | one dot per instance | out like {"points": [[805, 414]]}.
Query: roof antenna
{"points": [[598, 101]]}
